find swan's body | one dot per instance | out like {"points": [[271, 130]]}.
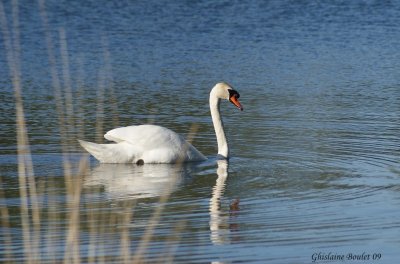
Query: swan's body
{"points": [[156, 144], [149, 143]]}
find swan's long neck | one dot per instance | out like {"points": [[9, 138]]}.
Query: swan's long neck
{"points": [[223, 148]]}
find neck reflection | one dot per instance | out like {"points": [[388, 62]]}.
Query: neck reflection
{"points": [[219, 220]]}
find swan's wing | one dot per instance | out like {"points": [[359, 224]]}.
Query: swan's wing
{"points": [[155, 143], [145, 136], [132, 134]]}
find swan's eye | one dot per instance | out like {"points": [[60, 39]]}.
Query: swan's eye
{"points": [[233, 93]]}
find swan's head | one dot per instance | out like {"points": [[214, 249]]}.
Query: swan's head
{"points": [[225, 91]]}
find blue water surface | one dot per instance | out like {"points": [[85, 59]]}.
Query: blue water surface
{"points": [[315, 153]]}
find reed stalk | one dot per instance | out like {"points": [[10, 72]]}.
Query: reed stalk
{"points": [[35, 235], [5, 223]]}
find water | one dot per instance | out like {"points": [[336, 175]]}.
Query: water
{"points": [[315, 165]]}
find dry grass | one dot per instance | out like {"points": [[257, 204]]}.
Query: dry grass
{"points": [[41, 222]]}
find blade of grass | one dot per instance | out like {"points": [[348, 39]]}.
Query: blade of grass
{"points": [[69, 106]]}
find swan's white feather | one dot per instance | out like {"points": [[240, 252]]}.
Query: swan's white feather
{"points": [[150, 143], [121, 152]]}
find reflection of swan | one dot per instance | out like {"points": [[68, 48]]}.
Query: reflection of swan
{"points": [[156, 144], [219, 234], [124, 181]]}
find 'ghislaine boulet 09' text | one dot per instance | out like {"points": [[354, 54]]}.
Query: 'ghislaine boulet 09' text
{"points": [[322, 256]]}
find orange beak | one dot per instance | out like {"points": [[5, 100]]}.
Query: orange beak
{"points": [[233, 99]]}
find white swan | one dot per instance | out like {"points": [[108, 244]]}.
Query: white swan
{"points": [[155, 144]]}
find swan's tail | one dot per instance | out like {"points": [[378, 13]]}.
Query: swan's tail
{"points": [[109, 153]]}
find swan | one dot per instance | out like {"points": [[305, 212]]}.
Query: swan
{"points": [[156, 144]]}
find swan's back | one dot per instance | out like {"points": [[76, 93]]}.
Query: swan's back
{"points": [[144, 144], [150, 136]]}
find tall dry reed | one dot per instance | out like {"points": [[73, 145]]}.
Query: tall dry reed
{"points": [[33, 212]]}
